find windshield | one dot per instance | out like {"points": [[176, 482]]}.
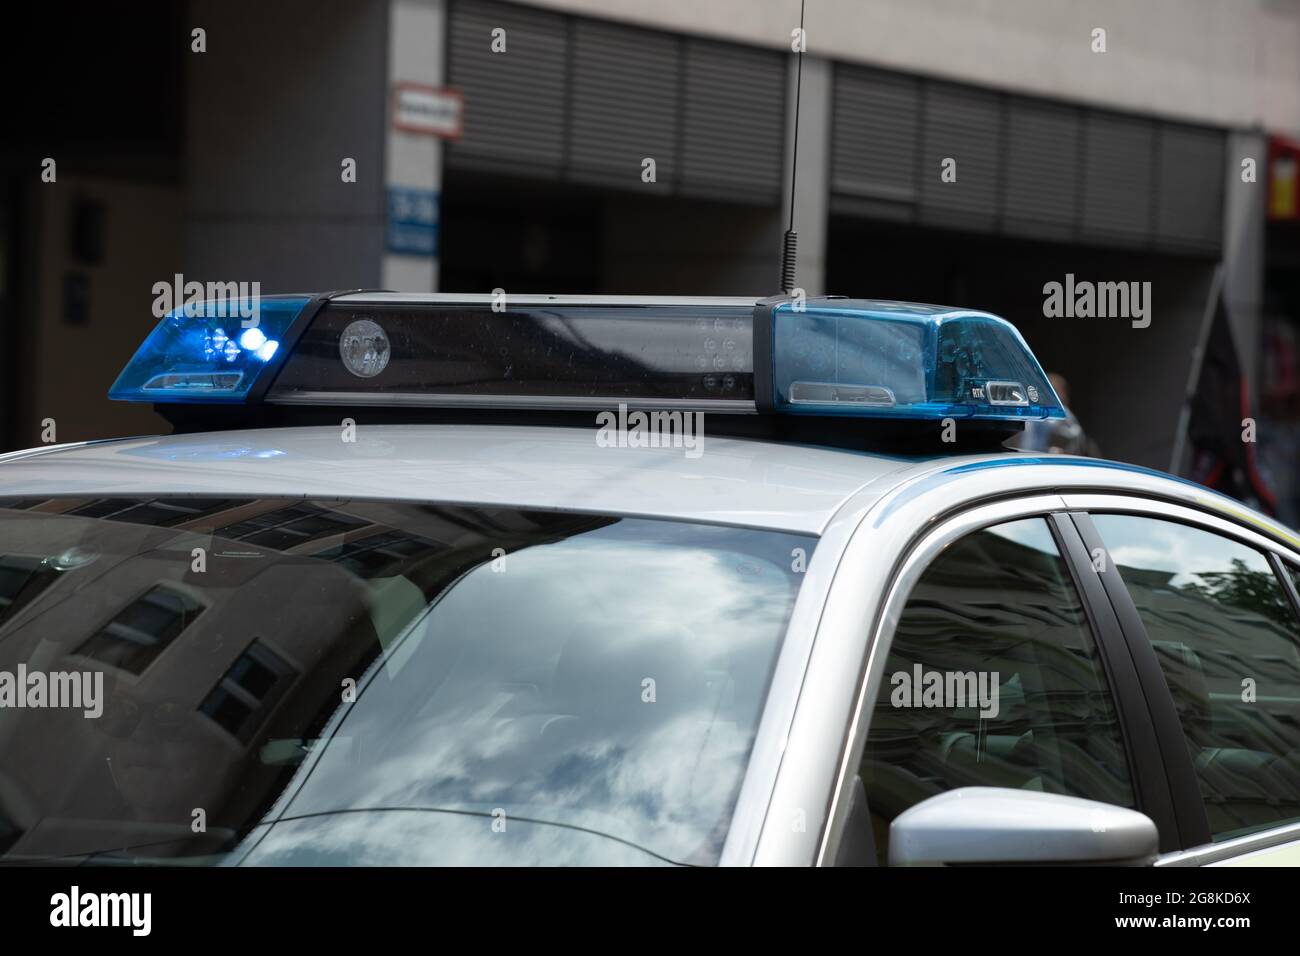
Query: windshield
{"points": [[300, 682]]}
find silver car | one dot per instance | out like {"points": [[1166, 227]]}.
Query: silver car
{"points": [[450, 580]]}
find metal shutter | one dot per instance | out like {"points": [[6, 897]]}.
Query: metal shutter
{"points": [[874, 148], [1025, 167], [1040, 197], [514, 101], [1190, 173], [1117, 178], [966, 125], [734, 125], [625, 105]]}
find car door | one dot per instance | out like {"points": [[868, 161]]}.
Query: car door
{"points": [[1208, 608], [998, 662]]}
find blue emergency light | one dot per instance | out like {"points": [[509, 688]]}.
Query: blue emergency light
{"points": [[821, 356], [208, 351], [904, 360]]}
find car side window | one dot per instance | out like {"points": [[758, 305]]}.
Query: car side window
{"points": [[993, 679], [1227, 642]]}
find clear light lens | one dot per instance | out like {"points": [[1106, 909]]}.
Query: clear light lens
{"points": [[820, 393], [1006, 393]]}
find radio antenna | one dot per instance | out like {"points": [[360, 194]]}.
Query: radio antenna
{"points": [[790, 244]]}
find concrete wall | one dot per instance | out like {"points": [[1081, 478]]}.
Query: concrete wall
{"points": [[416, 41], [283, 94], [70, 367], [1221, 62], [812, 171]]}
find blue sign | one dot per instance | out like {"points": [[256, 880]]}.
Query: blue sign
{"points": [[412, 221]]}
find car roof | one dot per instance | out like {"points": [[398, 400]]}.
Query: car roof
{"points": [[881, 307], [795, 488], [744, 482]]}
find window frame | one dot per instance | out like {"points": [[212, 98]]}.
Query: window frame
{"points": [[1141, 748], [1196, 847]]}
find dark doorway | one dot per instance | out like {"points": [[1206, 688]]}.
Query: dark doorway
{"points": [[518, 236], [1126, 384]]}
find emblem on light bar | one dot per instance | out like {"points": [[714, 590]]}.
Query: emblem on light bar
{"points": [[364, 348]]}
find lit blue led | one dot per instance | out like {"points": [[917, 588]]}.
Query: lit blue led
{"points": [[205, 352], [252, 339], [901, 360]]}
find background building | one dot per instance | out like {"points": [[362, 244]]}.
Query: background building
{"points": [[226, 165]]}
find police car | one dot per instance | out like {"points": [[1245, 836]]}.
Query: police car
{"points": [[618, 580]]}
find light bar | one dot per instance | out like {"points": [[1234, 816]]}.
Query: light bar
{"points": [[834, 357], [209, 351]]}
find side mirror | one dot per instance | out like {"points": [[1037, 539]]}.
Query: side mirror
{"points": [[995, 825]]}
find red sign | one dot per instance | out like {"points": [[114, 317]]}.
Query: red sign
{"points": [[431, 110], [1283, 183]]}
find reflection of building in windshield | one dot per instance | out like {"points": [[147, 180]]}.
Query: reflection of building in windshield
{"points": [[606, 685], [216, 680]]}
